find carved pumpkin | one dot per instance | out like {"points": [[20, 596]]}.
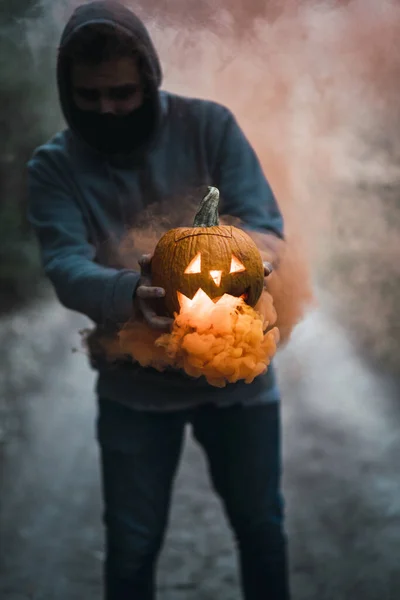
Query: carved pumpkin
{"points": [[215, 259]]}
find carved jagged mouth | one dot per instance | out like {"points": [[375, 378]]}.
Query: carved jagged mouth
{"points": [[201, 299]]}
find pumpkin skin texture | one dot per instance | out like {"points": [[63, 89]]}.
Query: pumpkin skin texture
{"points": [[209, 252]]}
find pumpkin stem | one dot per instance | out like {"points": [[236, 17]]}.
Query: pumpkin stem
{"points": [[207, 215]]}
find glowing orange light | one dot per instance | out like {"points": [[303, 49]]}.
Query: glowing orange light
{"points": [[236, 265], [201, 305], [195, 264], [216, 275], [199, 301]]}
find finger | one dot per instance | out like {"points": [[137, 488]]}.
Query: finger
{"points": [[151, 317], [145, 264], [268, 268], [148, 292], [144, 259], [157, 322]]}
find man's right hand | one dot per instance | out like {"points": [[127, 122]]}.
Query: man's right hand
{"points": [[146, 292]]}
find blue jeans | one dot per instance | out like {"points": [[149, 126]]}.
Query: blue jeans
{"points": [[140, 453]]}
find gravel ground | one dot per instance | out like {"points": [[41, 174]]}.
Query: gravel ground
{"points": [[342, 485]]}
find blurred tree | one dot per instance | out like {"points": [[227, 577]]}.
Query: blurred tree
{"points": [[28, 115]]}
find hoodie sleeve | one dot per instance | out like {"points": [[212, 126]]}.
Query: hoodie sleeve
{"points": [[245, 192], [104, 294]]}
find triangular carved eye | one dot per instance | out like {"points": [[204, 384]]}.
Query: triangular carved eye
{"points": [[195, 264], [236, 265]]}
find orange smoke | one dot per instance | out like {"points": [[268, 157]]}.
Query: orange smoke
{"points": [[290, 285], [225, 342]]}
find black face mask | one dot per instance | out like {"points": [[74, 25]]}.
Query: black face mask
{"points": [[113, 134]]}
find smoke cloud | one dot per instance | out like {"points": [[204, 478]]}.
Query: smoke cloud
{"points": [[315, 87], [224, 342]]}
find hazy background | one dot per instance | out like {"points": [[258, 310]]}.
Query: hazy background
{"points": [[315, 87]]}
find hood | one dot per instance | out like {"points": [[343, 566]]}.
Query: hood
{"points": [[109, 12]]}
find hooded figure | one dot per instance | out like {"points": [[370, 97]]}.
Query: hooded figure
{"points": [[130, 149], [96, 31], [94, 181]]}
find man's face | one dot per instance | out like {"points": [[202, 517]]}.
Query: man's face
{"points": [[112, 87]]}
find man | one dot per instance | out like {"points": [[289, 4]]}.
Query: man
{"points": [[129, 145]]}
